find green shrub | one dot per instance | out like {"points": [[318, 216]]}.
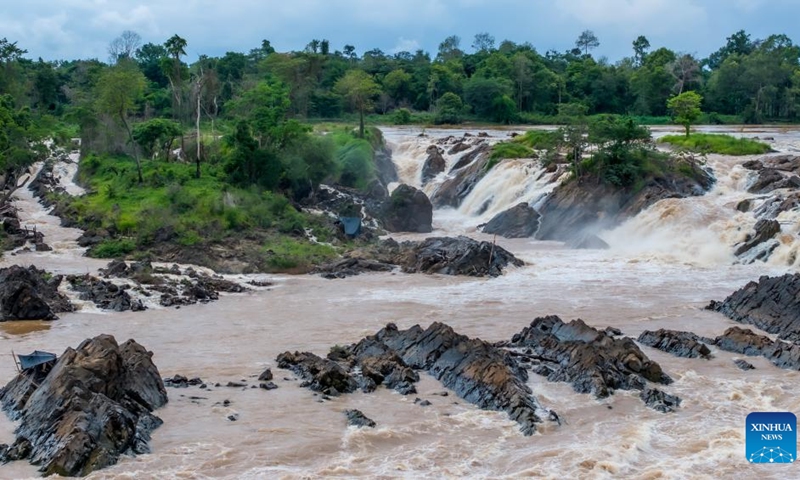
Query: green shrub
{"points": [[113, 248]]}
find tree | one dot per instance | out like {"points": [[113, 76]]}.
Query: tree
{"points": [[176, 48], [359, 89], [158, 132], [483, 42], [640, 47], [124, 46], [449, 49], [686, 71], [685, 108], [397, 84], [587, 41], [449, 109], [117, 91]]}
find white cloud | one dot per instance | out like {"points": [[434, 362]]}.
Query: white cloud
{"points": [[653, 17], [405, 45]]}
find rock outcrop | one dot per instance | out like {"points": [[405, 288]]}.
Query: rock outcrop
{"points": [[31, 294], [771, 304], [589, 359], [105, 295], [764, 230], [407, 210], [463, 178], [578, 207], [770, 179], [455, 256], [94, 405], [355, 418], [680, 344], [477, 371], [520, 221], [740, 340], [434, 164]]}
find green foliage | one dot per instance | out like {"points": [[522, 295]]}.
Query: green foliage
{"points": [[113, 248], [511, 150], [402, 116], [483, 94], [158, 132], [685, 108], [356, 164], [449, 109], [722, 144], [538, 139]]}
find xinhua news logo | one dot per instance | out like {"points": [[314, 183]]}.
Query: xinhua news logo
{"points": [[771, 437]]}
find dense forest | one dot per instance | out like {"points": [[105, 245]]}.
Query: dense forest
{"points": [[240, 124]]}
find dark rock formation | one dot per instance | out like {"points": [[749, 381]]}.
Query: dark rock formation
{"points": [[680, 344], [770, 179], [434, 164], [455, 256], [319, 374], [93, 406], [744, 365], [179, 381], [356, 418], [781, 354], [764, 230], [580, 206], [785, 163], [459, 147], [350, 266], [658, 400], [520, 221], [589, 359], [407, 210], [774, 206], [744, 206], [466, 173], [771, 304], [265, 376], [105, 295], [384, 165], [30, 294], [477, 371]]}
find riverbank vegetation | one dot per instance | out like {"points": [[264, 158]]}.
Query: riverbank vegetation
{"points": [[716, 143]]}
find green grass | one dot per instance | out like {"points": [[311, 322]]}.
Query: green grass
{"points": [[285, 254], [173, 206], [721, 144], [538, 139]]}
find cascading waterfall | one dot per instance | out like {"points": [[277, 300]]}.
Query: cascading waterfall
{"points": [[698, 230]]}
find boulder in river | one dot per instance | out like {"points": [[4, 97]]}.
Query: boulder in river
{"points": [[771, 304], [104, 294], [434, 164], [769, 179], [764, 230], [93, 406], [463, 178], [357, 419], [680, 344], [741, 340], [455, 256], [590, 359], [31, 294], [520, 221], [407, 210]]}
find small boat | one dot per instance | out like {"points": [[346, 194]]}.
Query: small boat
{"points": [[35, 359]]}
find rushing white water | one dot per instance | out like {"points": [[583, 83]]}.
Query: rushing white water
{"points": [[286, 433]]}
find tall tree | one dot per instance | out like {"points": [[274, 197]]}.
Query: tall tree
{"points": [[117, 91], [640, 47], [124, 46], [587, 41], [685, 109], [359, 89], [483, 42], [449, 49], [176, 48]]}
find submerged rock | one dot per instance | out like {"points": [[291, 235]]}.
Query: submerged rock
{"points": [[680, 344], [356, 418], [31, 294], [320, 374], [463, 178], [744, 365], [520, 221], [771, 304], [93, 406], [658, 400], [590, 359]]}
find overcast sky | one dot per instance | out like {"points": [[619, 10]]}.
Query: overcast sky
{"points": [[69, 29]]}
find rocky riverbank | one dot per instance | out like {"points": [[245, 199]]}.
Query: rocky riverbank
{"points": [[83, 412]]}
